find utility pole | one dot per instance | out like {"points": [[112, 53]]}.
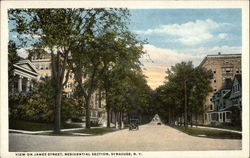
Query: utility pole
{"points": [[185, 108]]}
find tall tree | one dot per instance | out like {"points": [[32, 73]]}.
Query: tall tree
{"points": [[55, 31], [104, 48], [183, 94]]}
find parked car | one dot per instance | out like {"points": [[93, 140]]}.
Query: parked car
{"points": [[134, 124]]}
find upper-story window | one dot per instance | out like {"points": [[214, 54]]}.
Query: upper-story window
{"points": [[237, 70], [46, 66], [227, 70]]}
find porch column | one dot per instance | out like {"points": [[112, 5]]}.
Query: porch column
{"points": [[20, 83], [225, 116], [28, 85], [31, 85]]}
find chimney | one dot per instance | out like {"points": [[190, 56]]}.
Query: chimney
{"points": [[219, 53]]}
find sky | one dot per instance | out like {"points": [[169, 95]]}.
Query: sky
{"points": [[176, 35]]}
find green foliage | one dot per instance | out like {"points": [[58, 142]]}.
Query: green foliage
{"points": [[39, 105], [170, 96], [211, 133], [98, 131], [16, 100], [35, 126], [13, 58]]}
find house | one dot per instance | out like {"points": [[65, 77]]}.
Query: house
{"points": [[227, 102], [25, 73]]}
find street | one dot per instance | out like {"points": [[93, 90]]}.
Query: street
{"points": [[150, 137]]}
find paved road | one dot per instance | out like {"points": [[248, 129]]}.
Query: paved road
{"points": [[150, 137]]}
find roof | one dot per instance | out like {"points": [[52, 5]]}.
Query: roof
{"points": [[25, 67], [227, 95], [218, 56], [239, 78]]}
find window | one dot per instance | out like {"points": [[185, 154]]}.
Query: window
{"points": [[237, 70], [228, 115], [214, 71], [228, 70], [211, 107], [215, 90], [214, 80]]}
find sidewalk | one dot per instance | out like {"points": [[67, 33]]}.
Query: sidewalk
{"points": [[219, 129]]}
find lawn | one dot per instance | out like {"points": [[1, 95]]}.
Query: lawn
{"points": [[210, 133], [95, 131], [237, 128], [36, 126]]}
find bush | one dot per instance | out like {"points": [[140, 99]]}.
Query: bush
{"points": [[94, 124], [38, 105]]}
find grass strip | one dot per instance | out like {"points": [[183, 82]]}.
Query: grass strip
{"points": [[210, 133], [36, 126], [237, 128], [94, 131]]}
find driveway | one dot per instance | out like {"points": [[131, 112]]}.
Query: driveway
{"points": [[150, 137]]}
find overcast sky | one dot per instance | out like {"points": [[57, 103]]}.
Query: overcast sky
{"points": [[176, 35]]}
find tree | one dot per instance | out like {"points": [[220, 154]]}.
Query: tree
{"points": [[104, 48], [59, 32], [13, 58], [184, 92]]}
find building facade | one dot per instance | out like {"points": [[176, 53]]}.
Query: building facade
{"points": [[227, 102], [97, 103], [24, 75], [223, 66]]}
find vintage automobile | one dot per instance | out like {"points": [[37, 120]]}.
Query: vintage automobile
{"points": [[134, 124]]}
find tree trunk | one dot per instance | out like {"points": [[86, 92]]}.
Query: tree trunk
{"points": [[108, 116], [196, 119], [169, 117], [121, 120], [185, 107], [57, 112], [191, 120], [88, 113], [116, 120]]}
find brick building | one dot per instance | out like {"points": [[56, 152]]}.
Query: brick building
{"points": [[223, 66], [97, 103]]}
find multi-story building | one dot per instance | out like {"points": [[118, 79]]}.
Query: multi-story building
{"points": [[223, 66], [97, 113]]}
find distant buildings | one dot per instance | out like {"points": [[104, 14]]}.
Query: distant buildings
{"points": [[226, 69]]}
